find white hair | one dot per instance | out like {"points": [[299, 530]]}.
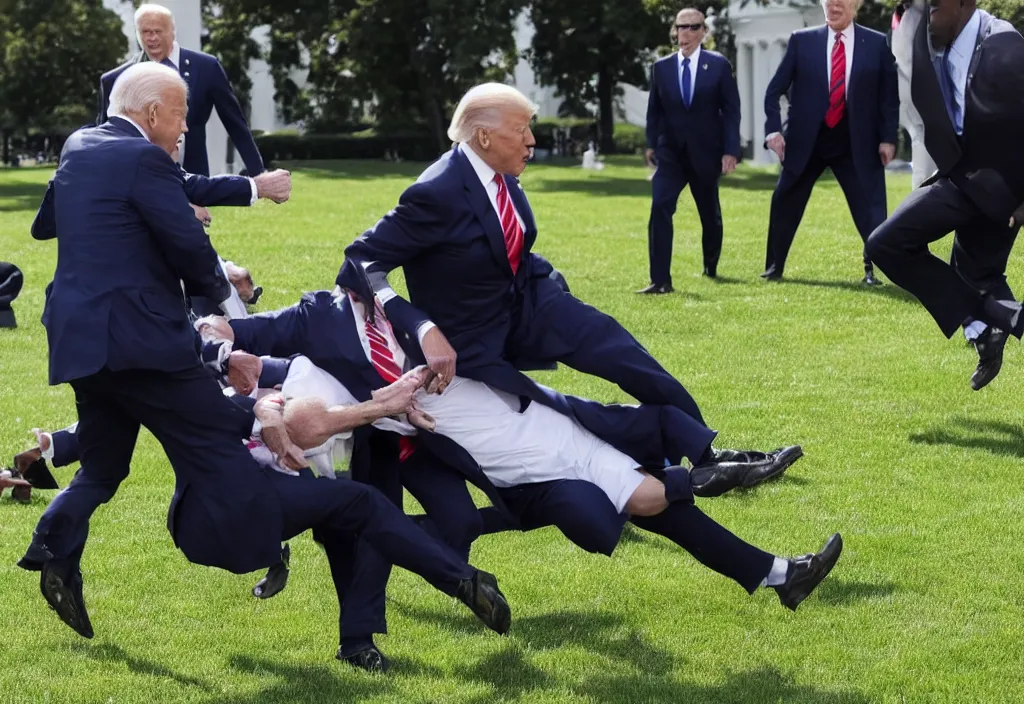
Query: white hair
{"points": [[151, 9], [143, 85], [482, 107]]}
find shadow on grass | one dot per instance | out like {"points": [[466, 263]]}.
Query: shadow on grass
{"points": [[298, 684], [887, 290], [18, 196], [111, 653], [761, 685], [997, 437], [835, 592]]}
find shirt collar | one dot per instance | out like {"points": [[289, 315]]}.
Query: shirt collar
{"points": [[174, 56], [484, 172], [694, 57], [847, 33], [963, 45], [132, 122]]}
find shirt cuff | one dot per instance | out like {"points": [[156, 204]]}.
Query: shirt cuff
{"points": [[423, 329], [255, 191], [48, 452], [386, 294], [233, 308], [773, 134]]}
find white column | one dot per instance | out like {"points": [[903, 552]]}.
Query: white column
{"points": [[263, 113], [744, 78], [761, 77]]}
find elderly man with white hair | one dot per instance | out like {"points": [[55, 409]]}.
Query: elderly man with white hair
{"points": [[483, 304], [119, 333], [207, 84]]}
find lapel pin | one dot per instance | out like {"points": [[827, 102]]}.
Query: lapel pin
{"points": [[705, 67]]}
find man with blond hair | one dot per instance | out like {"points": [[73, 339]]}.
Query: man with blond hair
{"points": [[482, 305], [843, 115], [208, 88]]}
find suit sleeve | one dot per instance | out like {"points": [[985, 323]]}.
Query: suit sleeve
{"points": [[777, 87], [230, 113], [283, 333], [890, 97], [730, 97], [218, 190], [654, 111], [44, 226], [160, 199]]}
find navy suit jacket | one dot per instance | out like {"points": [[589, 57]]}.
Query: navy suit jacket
{"points": [[207, 191], [208, 88], [126, 241], [872, 98], [323, 330], [710, 127]]}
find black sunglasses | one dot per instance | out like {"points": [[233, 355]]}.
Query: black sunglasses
{"points": [[691, 27]]}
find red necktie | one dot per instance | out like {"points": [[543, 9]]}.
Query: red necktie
{"points": [[509, 224], [837, 84], [384, 362]]}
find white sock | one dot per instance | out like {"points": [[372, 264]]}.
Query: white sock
{"points": [[973, 331], [777, 574]]}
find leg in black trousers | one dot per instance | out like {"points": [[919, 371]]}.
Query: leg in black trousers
{"points": [[867, 207], [555, 326], [789, 201], [668, 182], [704, 188], [900, 248]]}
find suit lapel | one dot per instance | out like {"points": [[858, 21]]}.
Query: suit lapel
{"points": [[478, 199], [821, 49], [860, 54], [705, 75], [671, 71]]}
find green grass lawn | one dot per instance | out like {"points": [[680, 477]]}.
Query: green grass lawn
{"points": [[920, 474]]}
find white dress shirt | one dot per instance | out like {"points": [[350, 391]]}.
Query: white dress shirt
{"points": [[960, 53], [486, 175], [694, 58]]}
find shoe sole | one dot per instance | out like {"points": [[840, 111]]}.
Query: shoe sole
{"points": [[783, 463], [66, 611]]}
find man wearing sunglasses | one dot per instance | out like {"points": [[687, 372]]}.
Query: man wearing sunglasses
{"points": [[693, 132]]}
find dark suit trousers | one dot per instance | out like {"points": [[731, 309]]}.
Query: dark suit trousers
{"points": [[452, 519], [952, 293], [196, 425], [338, 510], [789, 201], [65, 446], [554, 326], [587, 518], [674, 172]]}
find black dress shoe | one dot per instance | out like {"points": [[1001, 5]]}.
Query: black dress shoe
{"points": [[990, 356], [657, 288], [276, 578], [369, 659], [869, 277], [711, 272], [64, 595], [776, 462], [36, 555], [731, 469], [805, 573], [771, 275], [481, 594]]}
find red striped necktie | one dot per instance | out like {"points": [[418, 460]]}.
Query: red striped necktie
{"points": [[385, 364], [509, 224], [837, 84]]}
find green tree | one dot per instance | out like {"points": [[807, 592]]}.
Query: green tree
{"points": [[587, 48], [52, 53]]}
